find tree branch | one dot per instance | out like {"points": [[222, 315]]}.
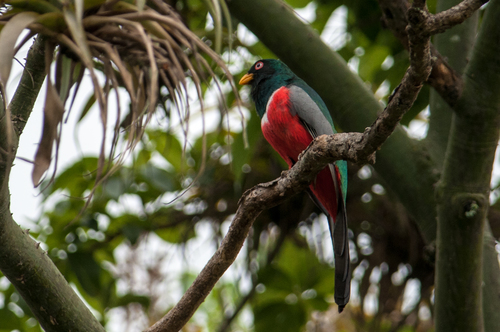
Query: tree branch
{"points": [[323, 150], [447, 19], [20, 109], [443, 78], [29, 86], [455, 45], [51, 299], [355, 147]]}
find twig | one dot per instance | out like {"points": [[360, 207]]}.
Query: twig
{"points": [[455, 15], [13, 118], [358, 148], [31, 81], [442, 78]]}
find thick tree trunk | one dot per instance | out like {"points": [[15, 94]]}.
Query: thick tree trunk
{"points": [[456, 44], [491, 285], [463, 193]]}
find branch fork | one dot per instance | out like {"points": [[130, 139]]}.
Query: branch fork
{"points": [[359, 148]]}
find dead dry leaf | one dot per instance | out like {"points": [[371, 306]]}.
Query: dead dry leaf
{"points": [[8, 38], [52, 116]]}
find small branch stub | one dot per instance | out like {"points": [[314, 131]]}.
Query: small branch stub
{"points": [[471, 209], [469, 206]]}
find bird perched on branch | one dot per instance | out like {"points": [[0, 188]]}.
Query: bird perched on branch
{"points": [[292, 115]]}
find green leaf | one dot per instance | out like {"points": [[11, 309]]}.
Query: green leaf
{"points": [[142, 158], [87, 271], [53, 20], [371, 61], [169, 147], [280, 317], [261, 50], [298, 3], [177, 234], [240, 154], [211, 139], [89, 221], [114, 187], [157, 177], [90, 102], [77, 178], [346, 53], [65, 79], [121, 221], [323, 13], [295, 271], [302, 266], [132, 232], [9, 320], [131, 298], [274, 278], [39, 6]]}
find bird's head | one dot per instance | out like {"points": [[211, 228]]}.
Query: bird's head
{"points": [[267, 71], [265, 77]]}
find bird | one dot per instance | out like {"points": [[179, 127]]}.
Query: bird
{"points": [[292, 115]]}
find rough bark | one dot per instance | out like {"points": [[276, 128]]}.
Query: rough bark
{"points": [[445, 81], [27, 90]]}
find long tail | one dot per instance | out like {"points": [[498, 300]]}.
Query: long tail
{"points": [[340, 238]]}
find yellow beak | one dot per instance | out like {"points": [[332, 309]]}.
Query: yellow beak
{"points": [[246, 79]]}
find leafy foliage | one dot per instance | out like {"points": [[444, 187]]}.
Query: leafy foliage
{"points": [[151, 209], [139, 47]]}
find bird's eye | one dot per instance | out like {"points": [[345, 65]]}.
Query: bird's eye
{"points": [[259, 65]]}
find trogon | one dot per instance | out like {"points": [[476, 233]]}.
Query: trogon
{"points": [[292, 115]]}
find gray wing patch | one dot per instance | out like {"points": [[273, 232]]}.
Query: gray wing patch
{"points": [[308, 111]]}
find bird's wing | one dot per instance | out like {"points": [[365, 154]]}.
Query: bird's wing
{"points": [[309, 112], [317, 123]]}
